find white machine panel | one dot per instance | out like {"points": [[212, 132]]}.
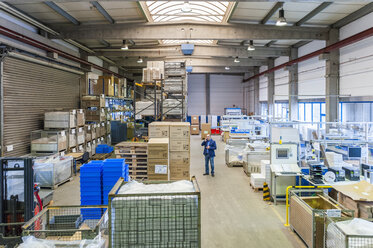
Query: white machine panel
{"points": [[284, 154], [287, 134]]}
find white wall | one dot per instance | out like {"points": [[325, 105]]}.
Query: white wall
{"points": [[311, 73], [281, 79], [356, 60], [263, 85]]}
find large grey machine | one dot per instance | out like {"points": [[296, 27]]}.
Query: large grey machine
{"points": [[284, 160]]}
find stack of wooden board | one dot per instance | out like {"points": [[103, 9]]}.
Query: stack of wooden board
{"points": [[136, 156]]}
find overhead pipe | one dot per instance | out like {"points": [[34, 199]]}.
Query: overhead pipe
{"points": [[16, 36], [342, 43]]}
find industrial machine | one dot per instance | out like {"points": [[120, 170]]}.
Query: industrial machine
{"points": [[352, 173], [19, 198], [316, 172], [338, 172], [284, 160]]}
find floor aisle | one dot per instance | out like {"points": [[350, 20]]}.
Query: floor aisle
{"points": [[233, 215]]}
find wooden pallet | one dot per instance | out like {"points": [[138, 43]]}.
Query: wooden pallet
{"points": [[58, 184], [235, 164], [256, 189], [101, 156], [131, 148]]}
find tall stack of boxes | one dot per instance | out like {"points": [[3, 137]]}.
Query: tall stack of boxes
{"points": [[103, 85], [194, 127], [178, 135], [158, 159], [205, 130], [179, 151]]}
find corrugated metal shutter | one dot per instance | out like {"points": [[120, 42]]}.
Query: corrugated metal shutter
{"points": [[196, 94], [226, 91], [29, 90]]}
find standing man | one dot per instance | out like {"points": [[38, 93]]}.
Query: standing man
{"points": [[209, 152]]}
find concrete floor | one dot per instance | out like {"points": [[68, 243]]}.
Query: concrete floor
{"points": [[233, 215]]}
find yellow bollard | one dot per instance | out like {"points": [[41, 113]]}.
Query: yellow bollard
{"points": [[266, 196]]}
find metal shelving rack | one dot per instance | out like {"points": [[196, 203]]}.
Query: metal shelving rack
{"points": [[179, 96]]}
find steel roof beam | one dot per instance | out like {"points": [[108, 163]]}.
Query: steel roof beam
{"points": [[313, 13], [60, 11], [274, 9], [354, 16], [102, 11]]}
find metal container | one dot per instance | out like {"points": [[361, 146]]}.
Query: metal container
{"points": [[67, 226], [152, 218], [48, 142], [308, 213], [335, 236]]}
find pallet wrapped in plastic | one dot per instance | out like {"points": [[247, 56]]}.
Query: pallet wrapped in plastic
{"points": [[52, 170]]}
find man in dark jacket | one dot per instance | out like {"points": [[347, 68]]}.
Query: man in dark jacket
{"points": [[209, 152]]}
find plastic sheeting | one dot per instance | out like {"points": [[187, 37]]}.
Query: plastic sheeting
{"points": [[32, 242], [337, 234], [140, 188], [52, 170]]}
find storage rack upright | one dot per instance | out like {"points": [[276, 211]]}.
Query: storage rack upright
{"points": [[174, 71]]}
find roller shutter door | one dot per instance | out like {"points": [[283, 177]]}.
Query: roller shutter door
{"points": [[30, 90], [226, 91], [196, 94]]}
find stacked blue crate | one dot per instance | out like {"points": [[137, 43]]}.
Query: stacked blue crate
{"points": [[91, 188], [113, 169], [103, 148]]}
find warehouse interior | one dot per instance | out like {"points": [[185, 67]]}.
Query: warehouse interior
{"points": [[186, 123]]}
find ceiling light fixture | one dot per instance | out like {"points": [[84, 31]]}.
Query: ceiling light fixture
{"points": [[186, 7], [139, 61], [236, 60], [124, 45], [251, 46], [281, 21], [227, 68]]}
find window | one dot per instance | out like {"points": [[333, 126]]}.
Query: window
{"points": [[166, 11], [208, 42]]}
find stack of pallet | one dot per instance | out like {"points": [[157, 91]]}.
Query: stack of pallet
{"points": [[135, 154], [178, 134]]}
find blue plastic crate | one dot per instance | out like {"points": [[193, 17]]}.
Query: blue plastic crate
{"points": [[103, 148]]}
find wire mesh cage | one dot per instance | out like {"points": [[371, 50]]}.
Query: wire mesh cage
{"points": [[155, 219], [335, 233], [308, 210], [68, 225]]}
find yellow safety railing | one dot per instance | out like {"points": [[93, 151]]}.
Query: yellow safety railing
{"points": [[298, 187]]}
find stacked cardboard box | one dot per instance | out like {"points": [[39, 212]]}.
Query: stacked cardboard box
{"points": [[205, 130], [179, 151], [194, 128], [158, 168], [104, 85], [179, 146]]}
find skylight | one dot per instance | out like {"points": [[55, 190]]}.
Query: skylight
{"points": [[187, 41], [166, 11]]}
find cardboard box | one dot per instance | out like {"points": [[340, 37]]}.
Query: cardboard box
{"points": [[159, 130], [93, 101], [80, 117], [179, 145], [205, 129], [180, 130], [158, 148], [104, 85], [194, 129], [195, 120], [179, 172], [158, 169], [180, 158]]}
